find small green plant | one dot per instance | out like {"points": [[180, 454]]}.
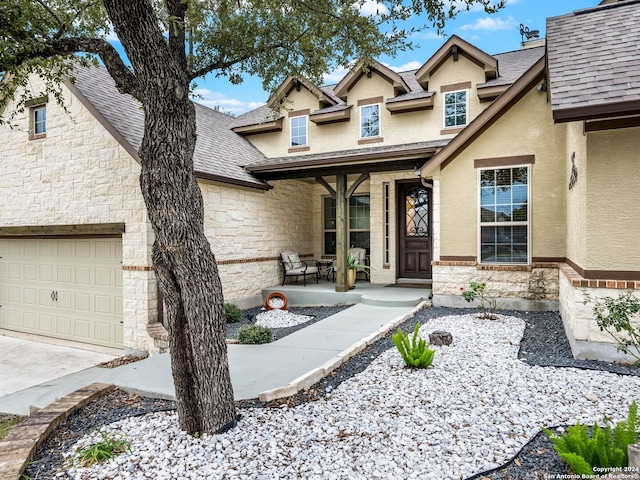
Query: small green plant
{"points": [[108, 447], [7, 422], [605, 449], [353, 261], [232, 312], [254, 334], [488, 305], [414, 352], [614, 315]]}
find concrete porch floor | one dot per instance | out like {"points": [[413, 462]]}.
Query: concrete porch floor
{"points": [[323, 293]]}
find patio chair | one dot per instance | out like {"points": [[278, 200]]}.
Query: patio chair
{"points": [[292, 266]]}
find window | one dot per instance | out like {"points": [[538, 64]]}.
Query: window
{"points": [[357, 221], [504, 215], [370, 121], [299, 131], [455, 109], [39, 120]]}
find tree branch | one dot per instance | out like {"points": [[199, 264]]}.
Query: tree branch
{"points": [[126, 81], [220, 65]]}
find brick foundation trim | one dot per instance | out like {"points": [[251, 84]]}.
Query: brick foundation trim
{"points": [[579, 281], [500, 268], [18, 448]]}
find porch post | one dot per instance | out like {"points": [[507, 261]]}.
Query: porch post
{"points": [[341, 233]]}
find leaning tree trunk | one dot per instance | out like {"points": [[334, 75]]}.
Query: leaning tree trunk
{"points": [[186, 269], [184, 263]]}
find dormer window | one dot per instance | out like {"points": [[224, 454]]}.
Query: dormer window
{"points": [[455, 109], [370, 121], [299, 131]]}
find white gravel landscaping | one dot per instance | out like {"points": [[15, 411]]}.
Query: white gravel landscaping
{"points": [[471, 411], [280, 318]]}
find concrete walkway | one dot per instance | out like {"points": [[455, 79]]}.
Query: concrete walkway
{"points": [[254, 368]]}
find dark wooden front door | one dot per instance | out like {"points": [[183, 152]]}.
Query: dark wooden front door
{"points": [[414, 231]]}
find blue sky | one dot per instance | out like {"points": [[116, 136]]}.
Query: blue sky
{"points": [[495, 33]]}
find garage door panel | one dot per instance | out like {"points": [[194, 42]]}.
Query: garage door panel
{"points": [[83, 275], [30, 320], [64, 288], [13, 294], [30, 271], [46, 273], [45, 323]]}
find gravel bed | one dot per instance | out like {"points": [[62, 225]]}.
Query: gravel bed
{"points": [[475, 409], [317, 314]]}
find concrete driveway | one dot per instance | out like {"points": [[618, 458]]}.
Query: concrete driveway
{"points": [[26, 363]]}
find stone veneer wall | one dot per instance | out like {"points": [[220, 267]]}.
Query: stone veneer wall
{"points": [[581, 328], [79, 174], [248, 229], [518, 288]]}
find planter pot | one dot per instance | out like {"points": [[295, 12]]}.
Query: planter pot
{"points": [[351, 278], [276, 301]]}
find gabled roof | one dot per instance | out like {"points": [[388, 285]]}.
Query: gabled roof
{"points": [[594, 62], [457, 46], [219, 153], [487, 118], [399, 84], [291, 82]]}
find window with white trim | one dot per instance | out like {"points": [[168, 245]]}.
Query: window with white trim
{"points": [[370, 121], [455, 109], [299, 131], [504, 215], [39, 120], [358, 221]]}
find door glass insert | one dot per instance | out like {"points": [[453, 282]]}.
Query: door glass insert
{"points": [[417, 212]]}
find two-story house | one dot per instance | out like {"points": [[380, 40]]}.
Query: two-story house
{"points": [[518, 169]]}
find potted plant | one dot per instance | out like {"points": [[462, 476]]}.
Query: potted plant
{"points": [[353, 263]]}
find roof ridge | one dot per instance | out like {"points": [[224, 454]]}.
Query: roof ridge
{"points": [[606, 6]]}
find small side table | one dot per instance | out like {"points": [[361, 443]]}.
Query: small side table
{"points": [[324, 267]]}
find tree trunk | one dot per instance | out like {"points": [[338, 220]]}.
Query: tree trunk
{"points": [[184, 263]]}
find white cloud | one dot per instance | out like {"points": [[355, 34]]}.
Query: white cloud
{"points": [[430, 35], [111, 36], [476, 7], [212, 99], [335, 76], [412, 65], [372, 8], [491, 24]]}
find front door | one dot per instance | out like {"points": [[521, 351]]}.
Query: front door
{"points": [[414, 231]]}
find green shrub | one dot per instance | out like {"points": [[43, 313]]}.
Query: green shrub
{"points": [[254, 334], [105, 449], [488, 305], [605, 449], [414, 352], [617, 314], [232, 312]]}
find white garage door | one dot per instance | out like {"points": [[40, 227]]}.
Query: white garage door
{"points": [[63, 288]]}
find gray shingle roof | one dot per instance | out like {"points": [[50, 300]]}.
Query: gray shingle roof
{"points": [[344, 154], [511, 66], [594, 56], [219, 151]]}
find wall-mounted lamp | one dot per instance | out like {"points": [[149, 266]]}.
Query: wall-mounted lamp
{"points": [[543, 86]]}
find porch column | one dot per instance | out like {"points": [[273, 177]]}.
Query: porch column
{"points": [[341, 234]]}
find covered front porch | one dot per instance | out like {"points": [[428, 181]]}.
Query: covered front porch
{"points": [[324, 293]]}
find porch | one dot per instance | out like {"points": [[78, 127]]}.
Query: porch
{"points": [[324, 293]]}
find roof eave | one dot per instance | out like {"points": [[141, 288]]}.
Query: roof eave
{"points": [[410, 105], [232, 181], [489, 116], [292, 82], [592, 112], [264, 127], [331, 117]]}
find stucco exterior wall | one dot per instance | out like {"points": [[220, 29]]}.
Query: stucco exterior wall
{"points": [[79, 174], [577, 207], [248, 228], [612, 199], [526, 129], [396, 129]]}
